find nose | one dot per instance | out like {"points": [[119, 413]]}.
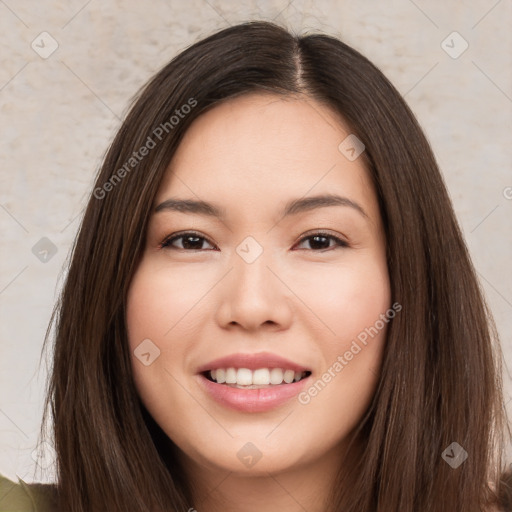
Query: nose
{"points": [[253, 296]]}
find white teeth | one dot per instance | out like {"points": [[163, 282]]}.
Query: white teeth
{"points": [[230, 376], [244, 377], [254, 378], [288, 377], [261, 377], [276, 376]]}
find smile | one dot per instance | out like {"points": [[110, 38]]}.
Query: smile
{"points": [[252, 398], [244, 378]]}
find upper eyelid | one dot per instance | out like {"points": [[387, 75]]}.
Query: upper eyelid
{"points": [[340, 240], [179, 234]]}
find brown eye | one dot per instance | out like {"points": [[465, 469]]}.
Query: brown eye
{"points": [[321, 241], [190, 241]]}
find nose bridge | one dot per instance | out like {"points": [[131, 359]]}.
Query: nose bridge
{"points": [[253, 295], [250, 263]]}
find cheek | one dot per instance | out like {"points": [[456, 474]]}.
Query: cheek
{"points": [[160, 303], [354, 304], [346, 298], [156, 315], [154, 306]]}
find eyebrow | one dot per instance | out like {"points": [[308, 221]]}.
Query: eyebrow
{"points": [[293, 207]]}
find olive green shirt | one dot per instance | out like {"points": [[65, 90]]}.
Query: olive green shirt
{"points": [[36, 497], [26, 497]]}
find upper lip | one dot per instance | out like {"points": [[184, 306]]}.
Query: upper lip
{"points": [[252, 362]]}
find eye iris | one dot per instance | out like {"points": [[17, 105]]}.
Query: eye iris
{"points": [[196, 244], [314, 241]]}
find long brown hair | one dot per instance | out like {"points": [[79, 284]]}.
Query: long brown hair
{"points": [[440, 381]]}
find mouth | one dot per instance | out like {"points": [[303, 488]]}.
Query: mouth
{"points": [[260, 378], [252, 383]]}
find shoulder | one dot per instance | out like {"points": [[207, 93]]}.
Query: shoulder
{"points": [[26, 497]]}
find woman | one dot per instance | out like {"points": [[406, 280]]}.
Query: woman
{"points": [[270, 304]]}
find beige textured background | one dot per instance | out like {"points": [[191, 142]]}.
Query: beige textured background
{"points": [[58, 115]]}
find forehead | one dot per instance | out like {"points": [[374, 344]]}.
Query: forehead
{"points": [[260, 149]]}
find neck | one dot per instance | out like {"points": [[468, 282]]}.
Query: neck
{"points": [[296, 489]]}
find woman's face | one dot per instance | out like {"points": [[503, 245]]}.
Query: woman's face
{"points": [[254, 284]]}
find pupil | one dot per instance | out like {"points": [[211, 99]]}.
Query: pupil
{"points": [[315, 240], [196, 240]]}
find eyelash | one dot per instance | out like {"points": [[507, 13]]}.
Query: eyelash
{"points": [[166, 243]]}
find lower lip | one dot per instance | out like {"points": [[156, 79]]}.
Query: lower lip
{"points": [[252, 400]]}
